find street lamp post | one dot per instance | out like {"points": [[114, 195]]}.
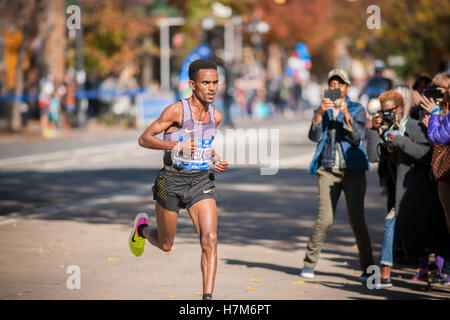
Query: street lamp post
{"points": [[80, 75], [164, 29]]}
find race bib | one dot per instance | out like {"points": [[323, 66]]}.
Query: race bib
{"points": [[199, 160]]}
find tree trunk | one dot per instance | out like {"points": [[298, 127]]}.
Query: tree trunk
{"points": [[147, 68], [16, 117]]}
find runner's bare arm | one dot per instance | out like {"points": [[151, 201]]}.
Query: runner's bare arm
{"points": [[171, 116], [221, 165]]}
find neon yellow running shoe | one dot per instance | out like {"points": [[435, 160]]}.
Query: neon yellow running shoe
{"points": [[137, 243]]}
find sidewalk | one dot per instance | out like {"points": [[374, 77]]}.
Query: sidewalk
{"points": [[32, 133]]}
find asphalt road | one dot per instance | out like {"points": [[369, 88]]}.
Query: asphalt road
{"points": [[71, 201]]}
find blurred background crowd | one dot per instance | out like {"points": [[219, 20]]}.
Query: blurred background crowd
{"points": [[120, 62]]}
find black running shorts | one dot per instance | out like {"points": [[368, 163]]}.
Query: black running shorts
{"points": [[175, 191]]}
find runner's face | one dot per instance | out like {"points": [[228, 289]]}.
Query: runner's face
{"points": [[205, 85]]}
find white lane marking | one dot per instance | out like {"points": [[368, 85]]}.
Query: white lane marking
{"points": [[59, 155], [118, 148], [7, 221]]}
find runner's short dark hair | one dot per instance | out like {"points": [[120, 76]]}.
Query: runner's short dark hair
{"points": [[200, 64]]}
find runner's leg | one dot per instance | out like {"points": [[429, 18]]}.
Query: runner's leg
{"points": [[204, 216], [163, 235]]}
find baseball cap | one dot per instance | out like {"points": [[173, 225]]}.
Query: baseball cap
{"points": [[378, 65], [341, 74]]}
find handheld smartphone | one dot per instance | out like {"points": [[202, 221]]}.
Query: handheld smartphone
{"points": [[333, 95], [433, 93]]}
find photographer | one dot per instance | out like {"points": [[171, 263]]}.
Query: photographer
{"points": [[435, 101], [340, 161], [402, 144]]}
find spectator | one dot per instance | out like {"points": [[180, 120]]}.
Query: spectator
{"points": [[421, 83], [439, 135], [53, 114], [46, 89], [414, 209], [378, 84], [69, 101], [340, 162]]}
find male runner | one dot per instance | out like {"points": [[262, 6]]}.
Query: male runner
{"points": [[189, 128]]}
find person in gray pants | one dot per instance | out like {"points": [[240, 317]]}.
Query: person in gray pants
{"points": [[340, 162]]}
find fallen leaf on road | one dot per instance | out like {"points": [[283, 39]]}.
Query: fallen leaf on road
{"points": [[83, 231], [279, 294], [20, 294], [66, 253], [198, 293], [316, 286], [255, 280], [345, 263], [356, 273], [171, 297], [59, 241], [61, 266], [244, 267], [355, 246], [14, 224], [298, 282], [129, 254], [249, 288], [113, 259], [41, 250]]}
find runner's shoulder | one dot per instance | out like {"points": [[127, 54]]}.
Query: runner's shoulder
{"points": [[217, 115], [174, 111]]}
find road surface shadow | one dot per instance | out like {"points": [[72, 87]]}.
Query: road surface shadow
{"points": [[415, 290], [277, 211]]}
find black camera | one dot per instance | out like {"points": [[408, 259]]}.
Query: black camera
{"points": [[389, 117], [333, 94], [433, 92]]}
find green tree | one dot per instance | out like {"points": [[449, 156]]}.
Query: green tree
{"points": [[414, 29], [115, 33]]}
